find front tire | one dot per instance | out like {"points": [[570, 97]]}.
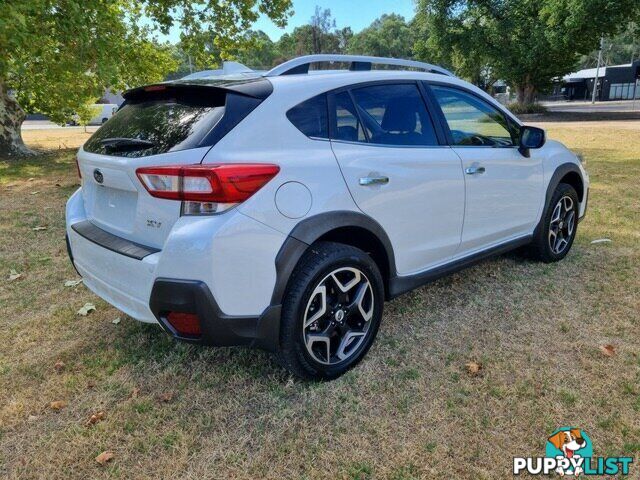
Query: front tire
{"points": [[557, 230], [331, 312]]}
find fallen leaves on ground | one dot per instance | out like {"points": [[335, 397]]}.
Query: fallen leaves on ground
{"points": [[135, 392], [59, 366], [14, 275], [39, 228], [95, 418], [601, 240], [608, 350], [474, 368], [116, 321], [104, 457], [72, 283], [58, 405], [166, 397], [88, 307]]}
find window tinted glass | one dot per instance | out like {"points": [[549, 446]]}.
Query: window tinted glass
{"points": [[348, 126], [169, 124], [395, 115], [472, 121], [310, 117]]}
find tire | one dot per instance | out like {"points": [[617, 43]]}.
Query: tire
{"points": [[555, 234], [333, 343]]}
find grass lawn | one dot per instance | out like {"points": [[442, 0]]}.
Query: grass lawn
{"points": [[411, 410]]}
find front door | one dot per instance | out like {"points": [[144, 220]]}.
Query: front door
{"points": [[504, 189], [398, 173]]}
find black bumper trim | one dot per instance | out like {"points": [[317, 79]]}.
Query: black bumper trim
{"points": [[218, 328], [116, 244], [66, 238]]}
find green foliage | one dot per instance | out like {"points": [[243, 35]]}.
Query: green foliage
{"points": [[528, 43], [86, 112], [619, 49], [526, 108], [58, 55], [387, 36]]}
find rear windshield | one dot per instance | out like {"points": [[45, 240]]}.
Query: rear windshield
{"points": [[158, 123]]}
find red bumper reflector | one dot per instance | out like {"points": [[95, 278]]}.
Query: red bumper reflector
{"points": [[185, 323]]}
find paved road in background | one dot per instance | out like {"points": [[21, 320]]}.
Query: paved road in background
{"points": [[47, 125], [587, 107]]}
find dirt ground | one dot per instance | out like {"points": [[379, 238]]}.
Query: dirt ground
{"points": [[411, 410]]}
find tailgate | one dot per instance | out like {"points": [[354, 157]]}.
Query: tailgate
{"points": [[116, 201]]}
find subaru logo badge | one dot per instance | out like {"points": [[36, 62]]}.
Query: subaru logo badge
{"points": [[97, 174]]}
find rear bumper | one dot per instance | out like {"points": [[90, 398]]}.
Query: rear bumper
{"points": [[204, 267], [218, 329]]}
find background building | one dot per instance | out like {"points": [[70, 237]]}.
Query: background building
{"points": [[619, 82]]}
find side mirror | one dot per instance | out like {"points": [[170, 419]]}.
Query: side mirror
{"points": [[531, 137]]}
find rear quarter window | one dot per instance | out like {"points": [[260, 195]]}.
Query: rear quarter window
{"points": [[310, 117]]}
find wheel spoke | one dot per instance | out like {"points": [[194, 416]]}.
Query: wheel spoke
{"points": [[570, 221], [553, 235], [555, 218], [344, 288], [568, 204], [347, 341], [322, 291], [320, 338]]}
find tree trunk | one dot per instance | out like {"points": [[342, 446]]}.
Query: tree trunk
{"points": [[526, 93], [11, 118]]}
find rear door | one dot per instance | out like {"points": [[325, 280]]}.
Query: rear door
{"points": [[504, 188], [164, 126], [398, 172]]}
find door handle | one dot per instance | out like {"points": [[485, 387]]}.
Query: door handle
{"points": [[475, 170], [368, 181]]}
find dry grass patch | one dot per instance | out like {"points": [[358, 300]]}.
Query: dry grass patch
{"points": [[411, 410], [57, 138]]}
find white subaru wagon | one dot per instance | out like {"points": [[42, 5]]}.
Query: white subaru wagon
{"points": [[280, 210]]}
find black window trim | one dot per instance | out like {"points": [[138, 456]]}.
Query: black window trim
{"points": [[312, 137], [433, 115], [508, 116]]}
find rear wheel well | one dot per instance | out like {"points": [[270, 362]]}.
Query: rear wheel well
{"points": [[573, 179], [364, 240]]}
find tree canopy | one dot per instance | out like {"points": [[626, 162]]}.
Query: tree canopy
{"points": [[58, 55], [387, 36], [528, 43]]}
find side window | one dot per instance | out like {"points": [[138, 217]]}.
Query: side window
{"points": [[472, 121], [348, 127], [395, 115], [310, 117]]}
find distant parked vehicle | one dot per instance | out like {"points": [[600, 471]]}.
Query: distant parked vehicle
{"points": [[108, 109], [105, 112]]}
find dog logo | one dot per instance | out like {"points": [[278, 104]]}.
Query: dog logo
{"points": [[569, 452], [569, 443]]}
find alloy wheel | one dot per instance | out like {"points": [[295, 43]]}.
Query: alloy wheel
{"points": [[337, 316], [562, 225]]}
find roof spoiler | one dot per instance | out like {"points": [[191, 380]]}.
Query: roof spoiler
{"points": [[258, 88]]}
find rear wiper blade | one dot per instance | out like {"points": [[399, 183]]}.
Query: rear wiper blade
{"points": [[119, 144]]}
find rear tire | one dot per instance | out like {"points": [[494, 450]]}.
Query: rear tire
{"points": [[331, 311], [557, 230]]}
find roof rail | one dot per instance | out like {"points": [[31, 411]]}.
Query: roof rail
{"points": [[357, 63]]}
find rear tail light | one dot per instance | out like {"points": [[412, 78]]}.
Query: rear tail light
{"points": [[186, 324], [209, 184], [78, 168]]}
